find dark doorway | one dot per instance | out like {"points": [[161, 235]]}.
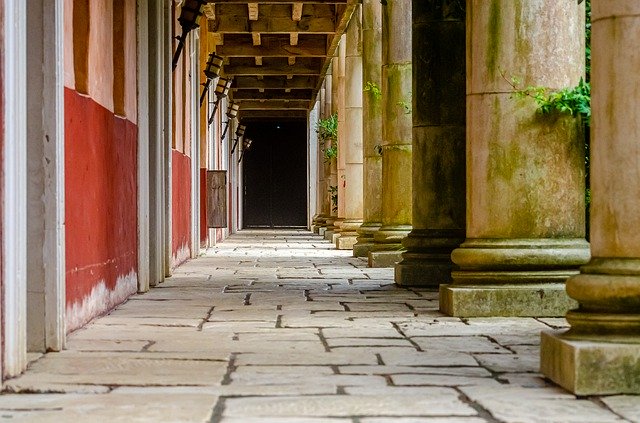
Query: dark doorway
{"points": [[275, 175]]}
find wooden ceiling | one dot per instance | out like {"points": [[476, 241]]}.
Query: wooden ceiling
{"points": [[277, 51]]}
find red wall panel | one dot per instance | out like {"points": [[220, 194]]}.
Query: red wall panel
{"points": [[101, 206], [181, 206]]}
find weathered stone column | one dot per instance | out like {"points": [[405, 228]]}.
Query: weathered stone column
{"points": [[342, 142], [372, 125], [396, 129], [525, 170], [353, 204], [320, 218], [332, 98], [600, 354], [439, 108]]}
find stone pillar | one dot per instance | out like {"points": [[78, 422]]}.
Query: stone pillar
{"points": [[333, 94], [372, 126], [320, 218], [353, 206], [525, 171], [396, 130], [600, 354], [439, 84], [342, 141]]}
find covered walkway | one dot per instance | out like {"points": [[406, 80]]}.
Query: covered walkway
{"points": [[278, 326]]}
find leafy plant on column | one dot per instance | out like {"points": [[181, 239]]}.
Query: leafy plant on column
{"points": [[327, 130]]}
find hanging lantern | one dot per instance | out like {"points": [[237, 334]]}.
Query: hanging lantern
{"points": [[222, 90], [246, 144], [211, 71], [189, 16], [239, 134], [232, 112]]}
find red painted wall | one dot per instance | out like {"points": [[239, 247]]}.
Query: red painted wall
{"points": [[203, 206], [181, 205], [101, 206]]}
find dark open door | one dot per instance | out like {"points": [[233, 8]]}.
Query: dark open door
{"points": [[217, 198], [275, 175]]}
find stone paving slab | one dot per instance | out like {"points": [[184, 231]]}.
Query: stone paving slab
{"points": [[278, 326]]}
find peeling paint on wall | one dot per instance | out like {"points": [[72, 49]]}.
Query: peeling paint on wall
{"points": [[100, 300]]}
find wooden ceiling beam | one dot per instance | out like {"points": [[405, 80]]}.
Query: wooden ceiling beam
{"points": [[280, 1], [248, 115], [272, 69], [269, 83], [275, 25], [274, 104], [306, 48], [272, 95], [254, 11]]}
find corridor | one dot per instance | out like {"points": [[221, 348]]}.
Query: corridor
{"points": [[278, 326]]}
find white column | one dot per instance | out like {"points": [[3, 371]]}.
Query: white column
{"points": [[14, 277]]}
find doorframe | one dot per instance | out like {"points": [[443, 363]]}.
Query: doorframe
{"points": [[14, 276]]}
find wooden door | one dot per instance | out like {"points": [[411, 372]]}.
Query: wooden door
{"points": [[217, 198]]}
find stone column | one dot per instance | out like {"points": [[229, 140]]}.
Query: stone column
{"points": [[320, 218], [600, 354], [353, 205], [372, 126], [342, 142], [439, 82], [332, 81], [396, 130], [525, 171]]}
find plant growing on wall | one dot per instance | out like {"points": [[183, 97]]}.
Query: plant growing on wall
{"points": [[333, 190], [327, 130], [373, 89]]}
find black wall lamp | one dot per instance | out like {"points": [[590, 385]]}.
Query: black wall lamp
{"points": [[239, 133], [246, 144], [222, 90], [189, 15], [232, 112], [211, 71]]}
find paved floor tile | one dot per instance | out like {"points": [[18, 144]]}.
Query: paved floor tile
{"points": [[279, 327]]}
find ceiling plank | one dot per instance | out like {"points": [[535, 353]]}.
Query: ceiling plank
{"points": [[280, 1], [300, 68], [248, 115]]}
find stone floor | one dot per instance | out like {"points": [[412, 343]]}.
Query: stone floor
{"points": [[280, 327]]}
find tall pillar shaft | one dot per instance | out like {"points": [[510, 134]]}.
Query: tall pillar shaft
{"points": [[439, 82], [342, 141], [525, 171], [372, 125], [333, 80], [397, 133], [600, 354], [353, 193]]}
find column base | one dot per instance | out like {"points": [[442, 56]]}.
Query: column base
{"points": [[591, 367], [322, 230], [427, 261], [328, 234], [365, 241], [384, 258], [346, 242], [534, 300]]}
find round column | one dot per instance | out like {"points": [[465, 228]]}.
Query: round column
{"points": [[397, 133], [342, 142], [353, 205], [372, 126], [525, 171], [600, 354], [332, 183], [439, 117]]}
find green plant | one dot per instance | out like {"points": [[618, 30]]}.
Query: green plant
{"points": [[406, 105], [327, 130], [333, 190], [374, 89]]}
